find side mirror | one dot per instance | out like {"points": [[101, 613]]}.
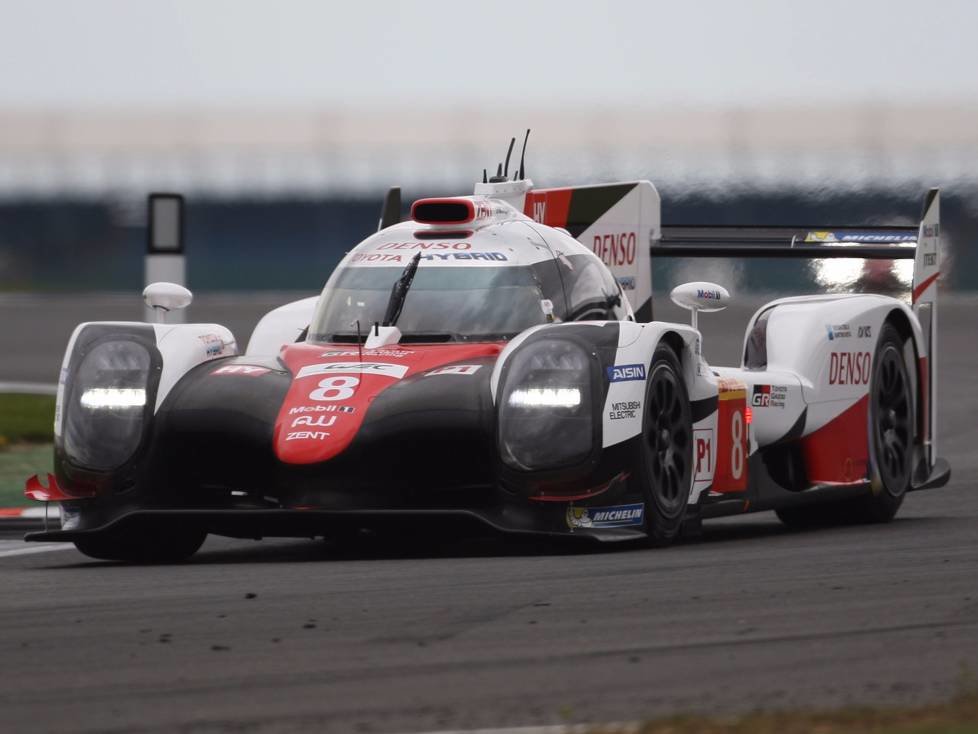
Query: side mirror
{"points": [[700, 296], [166, 297]]}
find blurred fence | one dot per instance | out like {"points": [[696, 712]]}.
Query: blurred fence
{"points": [[251, 245]]}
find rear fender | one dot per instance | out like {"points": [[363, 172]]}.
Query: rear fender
{"points": [[829, 342]]}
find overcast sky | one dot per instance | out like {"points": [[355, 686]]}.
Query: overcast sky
{"points": [[178, 53]]}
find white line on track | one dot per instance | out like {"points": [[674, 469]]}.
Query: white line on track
{"points": [[618, 728], [25, 549]]}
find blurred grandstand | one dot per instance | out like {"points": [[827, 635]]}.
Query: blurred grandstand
{"points": [[275, 198]]}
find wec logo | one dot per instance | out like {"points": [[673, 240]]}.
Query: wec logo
{"points": [[625, 372]]}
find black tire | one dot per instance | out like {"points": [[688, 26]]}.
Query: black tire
{"points": [[665, 462], [891, 439], [144, 545], [891, 428]]}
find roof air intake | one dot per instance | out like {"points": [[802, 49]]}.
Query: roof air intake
{"points": [[443, 211]]}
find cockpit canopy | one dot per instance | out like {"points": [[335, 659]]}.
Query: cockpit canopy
{"points": [[469, 286]]}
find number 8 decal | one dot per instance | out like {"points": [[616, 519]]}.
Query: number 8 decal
{"points": [[736, 444], [340, 387]]}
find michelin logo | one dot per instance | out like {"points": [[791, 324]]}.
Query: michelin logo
{"points": [[623, 372], [620, 516]]}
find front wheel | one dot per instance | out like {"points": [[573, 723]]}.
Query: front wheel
{"points": [[665, 463], [144, 545]]}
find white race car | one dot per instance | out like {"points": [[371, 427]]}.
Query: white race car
{"points": [[492, 362]]}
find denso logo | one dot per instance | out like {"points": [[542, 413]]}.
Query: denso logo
{"points": [[708, 294], [850, 368], [426, 246], [615, 249], [624, 372]]}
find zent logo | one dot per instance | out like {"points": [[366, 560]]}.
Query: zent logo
{"points": [[307, 435], [849, 368], [625, 372]]}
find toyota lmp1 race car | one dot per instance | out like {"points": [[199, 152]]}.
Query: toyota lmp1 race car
{"points": [[492, 364]]}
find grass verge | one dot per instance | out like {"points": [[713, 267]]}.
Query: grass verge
{"points": [[26, 432], [957, 716], [17, 462], [26, 418]]}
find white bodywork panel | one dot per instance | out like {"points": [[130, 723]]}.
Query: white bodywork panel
{"points": [[184, 346], [281, 326], [829, 343]]}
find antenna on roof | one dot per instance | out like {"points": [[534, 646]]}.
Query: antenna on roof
{"points": [[499, 177], [512, 142], [522, 173], [485, 176], [390, 212]]}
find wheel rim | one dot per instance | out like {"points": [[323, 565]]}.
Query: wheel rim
{"points": [[893, 430], [668, 441]]}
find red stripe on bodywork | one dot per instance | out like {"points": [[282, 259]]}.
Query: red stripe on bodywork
{"points": [[838, 452], [543, 496], [321, 414], [548, 206], [919, 290]]}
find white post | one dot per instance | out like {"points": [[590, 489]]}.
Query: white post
{"points": [[165, 259]]}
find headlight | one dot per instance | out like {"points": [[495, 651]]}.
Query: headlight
{"points": [[106, 407], [545, 407]]}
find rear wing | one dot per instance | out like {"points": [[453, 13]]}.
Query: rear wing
{"points": [[920, 243]]}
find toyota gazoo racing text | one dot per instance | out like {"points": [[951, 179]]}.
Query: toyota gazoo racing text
{"points": [[492, 364]]}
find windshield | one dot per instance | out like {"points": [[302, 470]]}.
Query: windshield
{"points": [[444, 303]]}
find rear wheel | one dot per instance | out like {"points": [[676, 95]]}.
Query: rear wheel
{"points": [[891, 439], [665, 465], [144, 545]]}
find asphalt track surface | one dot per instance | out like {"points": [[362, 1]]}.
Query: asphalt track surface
{"points": [[285, 636]]}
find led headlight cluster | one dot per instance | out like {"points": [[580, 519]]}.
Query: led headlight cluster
{"points": [[545, 406], [106, 408]]}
